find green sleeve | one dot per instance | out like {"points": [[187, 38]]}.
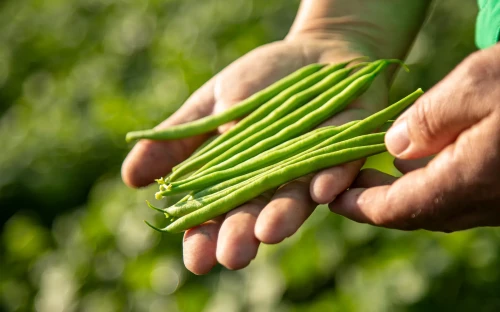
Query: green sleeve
{"points": [[488, 23]]}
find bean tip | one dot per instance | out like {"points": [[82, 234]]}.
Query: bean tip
{"points": [[130, 136], [155, 208], [154, 227]]}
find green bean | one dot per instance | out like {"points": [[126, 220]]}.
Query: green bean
{"points": [[300, 121], [267, 182], [293, 97], [360, 128], [367, 125], [230, 182], [310, 134], [244, 177], [375, 121], [210, 123], [184, 208], [198, 151], [236, 180], [271, 105], [297, 122], [285, 150], [372, 122]]}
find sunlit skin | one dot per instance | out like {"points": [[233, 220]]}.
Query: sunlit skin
{"points": [[335, 31], [459, 120]]}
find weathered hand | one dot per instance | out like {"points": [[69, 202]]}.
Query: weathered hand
{"points": [[233, 239], [459, 120]]}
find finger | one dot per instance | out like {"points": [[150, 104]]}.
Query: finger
{"points": [[455, 181], [237, 244], [371, 177], [285, 213], [440, 115], [408, 165], [199, 246], [329, 183], [149, 160], [346, 206]]}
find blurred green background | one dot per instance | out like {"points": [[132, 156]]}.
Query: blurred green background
{"points": [[76, 75]]}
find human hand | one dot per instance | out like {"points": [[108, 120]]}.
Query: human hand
{"points": [[459, 120], [233, 239]]}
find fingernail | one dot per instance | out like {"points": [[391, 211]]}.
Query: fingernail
{"points": [[397, 139]]}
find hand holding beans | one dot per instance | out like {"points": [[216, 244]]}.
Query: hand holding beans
{"points": [[459, 120], [235, 241]]}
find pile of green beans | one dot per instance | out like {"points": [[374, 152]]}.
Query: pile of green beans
{"points": [[277, 140]]}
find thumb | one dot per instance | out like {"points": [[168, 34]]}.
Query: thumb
{"points": [[440, 115]]}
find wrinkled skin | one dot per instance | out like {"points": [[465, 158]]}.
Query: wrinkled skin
{"points": [[233, 239], [459, 120]]}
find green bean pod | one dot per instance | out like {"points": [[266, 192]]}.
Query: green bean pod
{"points": [[210, 123], [301, 120], [296, 123], [270, 181], [283, 151], [181, 209], [236, 180], [271, 105], [230, 182], [364, 126], [293, 97], [199, 150], [376, 120]]}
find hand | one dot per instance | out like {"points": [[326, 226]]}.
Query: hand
{"points": [[459, 119], [233, 239]]}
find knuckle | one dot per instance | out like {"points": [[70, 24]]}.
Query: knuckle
{"points": [[384, 218], [424, 123], [476, 67]]}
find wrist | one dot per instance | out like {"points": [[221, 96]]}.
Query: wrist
{"points": [[379, 28]]}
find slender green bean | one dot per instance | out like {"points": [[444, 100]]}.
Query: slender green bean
{"points": [[283, 151], [300, 121], [375, 121], [310, 134], [181, 209], [293, 98], [212, 179], [210, 123], [236, 180], [275, 179], [271, 105], [245, 177], [230, 182], [364, 126], [199, 150], [251, 125]]}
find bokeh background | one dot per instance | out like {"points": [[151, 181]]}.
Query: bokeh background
{"points": [[75, 76]]}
